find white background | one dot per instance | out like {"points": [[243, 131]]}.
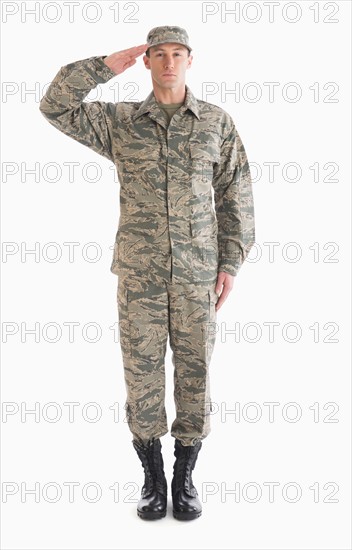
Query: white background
{"points": [[311, 291]]}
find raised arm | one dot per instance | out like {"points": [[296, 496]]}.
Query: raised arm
{"points": [[90, 123]]}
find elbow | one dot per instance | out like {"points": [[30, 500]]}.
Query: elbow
{"points": [[43, 107], [48, 109]]}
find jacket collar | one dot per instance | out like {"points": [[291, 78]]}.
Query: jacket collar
{"points": [[150, 104]]}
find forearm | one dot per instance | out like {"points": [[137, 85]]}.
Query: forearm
{"points": [[234, 205], [90, 123]]}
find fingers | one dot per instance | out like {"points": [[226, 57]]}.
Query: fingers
{"points": [[130, 63], [130, 54], [135, 50], [224, 285], [219, 282], [223, 297]]}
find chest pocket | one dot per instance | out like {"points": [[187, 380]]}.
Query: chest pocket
{"points": [[203, 157], [139, 170]]}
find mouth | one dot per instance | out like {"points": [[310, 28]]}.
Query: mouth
{"points": [[169, 74]]}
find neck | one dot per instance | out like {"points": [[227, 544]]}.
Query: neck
{"points": [[169, 95]]}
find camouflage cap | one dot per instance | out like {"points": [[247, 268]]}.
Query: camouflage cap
{"points": [[161, 35]]}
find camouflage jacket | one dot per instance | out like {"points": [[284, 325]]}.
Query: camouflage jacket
{"points": [[171, 176]]}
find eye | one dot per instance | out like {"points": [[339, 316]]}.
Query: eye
{"points": [[159, 54]]}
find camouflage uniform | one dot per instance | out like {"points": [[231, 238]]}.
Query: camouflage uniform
{"points": [[170, 243]]}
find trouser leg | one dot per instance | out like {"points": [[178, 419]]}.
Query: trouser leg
{"points": [[192, 339], [143, 328]]}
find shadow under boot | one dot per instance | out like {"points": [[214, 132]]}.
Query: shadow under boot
{"points": [[153, 501], [185, 501]]}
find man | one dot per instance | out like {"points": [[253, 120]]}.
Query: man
{"points": [[174, 255]]}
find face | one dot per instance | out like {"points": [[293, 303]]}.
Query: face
{"points": [[168, 64]]}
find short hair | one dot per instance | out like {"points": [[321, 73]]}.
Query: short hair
{"points": [[147, 53]]}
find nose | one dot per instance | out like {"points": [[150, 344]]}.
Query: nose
{"points": [[168, 62]]}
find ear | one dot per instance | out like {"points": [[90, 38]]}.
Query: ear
{"points": [[190, 59], [146, 61]]}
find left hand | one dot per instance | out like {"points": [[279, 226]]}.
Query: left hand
{"points": [[224, 286]]}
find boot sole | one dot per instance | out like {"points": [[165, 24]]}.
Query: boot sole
{"points": [[151, 515], [186, 516]]}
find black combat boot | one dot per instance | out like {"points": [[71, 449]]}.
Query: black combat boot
{"points": [[153, 501], [186, 504]]}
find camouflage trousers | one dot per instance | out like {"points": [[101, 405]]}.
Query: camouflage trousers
{"points": [[149, 313]]}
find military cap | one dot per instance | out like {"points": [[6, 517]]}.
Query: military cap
{"points": [[161, 35]]}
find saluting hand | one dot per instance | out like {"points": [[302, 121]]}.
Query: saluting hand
{"points": [[122, 60]]}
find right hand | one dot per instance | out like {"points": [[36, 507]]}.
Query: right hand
{"points": [[122, 60]]}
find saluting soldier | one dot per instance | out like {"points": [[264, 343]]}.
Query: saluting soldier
{"points": [[175, 254]]}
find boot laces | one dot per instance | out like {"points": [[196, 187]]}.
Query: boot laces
{"points": [[152, 463], [183, 467]]}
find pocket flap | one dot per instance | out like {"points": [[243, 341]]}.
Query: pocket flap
{"points": [[141, 153], [203, 152]]}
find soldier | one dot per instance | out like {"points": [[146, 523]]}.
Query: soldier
{"points": [[175, 256]]}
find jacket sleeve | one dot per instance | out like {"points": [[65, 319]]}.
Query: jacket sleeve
{"points": [[90, 123], [234, 206]]}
